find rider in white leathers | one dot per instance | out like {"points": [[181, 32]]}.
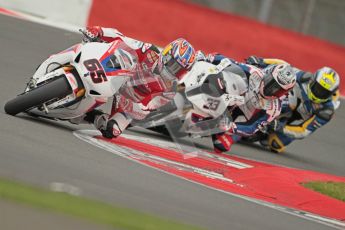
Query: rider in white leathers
{"points": [[262, 101], [152, 87]]}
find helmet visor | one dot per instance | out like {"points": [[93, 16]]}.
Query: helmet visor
{"points": [[320, 92], [172, 68], [271, 88]]}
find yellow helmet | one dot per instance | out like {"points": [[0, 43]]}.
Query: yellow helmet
{"points": [[323, 85]]}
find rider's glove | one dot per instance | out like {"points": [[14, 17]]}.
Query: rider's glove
{"points": [[255, 61], [92, 34], [200, 56]]}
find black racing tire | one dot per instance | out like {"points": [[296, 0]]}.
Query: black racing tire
{"points": [[57, 88]]}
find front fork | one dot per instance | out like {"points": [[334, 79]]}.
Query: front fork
{"points": [[67, 71]]}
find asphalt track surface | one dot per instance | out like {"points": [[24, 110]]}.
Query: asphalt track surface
{"points": [[40, 152]]}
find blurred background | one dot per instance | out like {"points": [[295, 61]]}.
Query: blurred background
{"points": [[322, 18]]}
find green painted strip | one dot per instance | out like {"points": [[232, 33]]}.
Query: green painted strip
{"points": [[95, 211], [332, 189]]}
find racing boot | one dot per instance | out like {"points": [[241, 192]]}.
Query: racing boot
{"points": [[222, 142], [111, 128]]}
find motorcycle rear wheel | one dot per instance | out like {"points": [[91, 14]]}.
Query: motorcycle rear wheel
{"points": [[57, 88]]}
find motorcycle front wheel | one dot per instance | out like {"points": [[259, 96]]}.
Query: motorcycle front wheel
{"points": [[57, 88]]}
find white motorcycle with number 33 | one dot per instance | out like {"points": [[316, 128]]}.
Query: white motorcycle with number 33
{"points": [[209, 91]]}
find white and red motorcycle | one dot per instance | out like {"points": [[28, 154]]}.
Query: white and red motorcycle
{"points": [[203, 106], [69, 90]]}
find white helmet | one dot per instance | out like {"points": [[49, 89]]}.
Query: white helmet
{"points": [[277, 80]]}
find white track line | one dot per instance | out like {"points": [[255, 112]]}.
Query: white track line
{"points": [[43, 21], [87, 136], [81, 135]]}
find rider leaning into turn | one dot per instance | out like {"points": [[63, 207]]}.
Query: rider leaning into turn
{"points": [[311, 104], [144, 92], [262, 102], [153, 85]]}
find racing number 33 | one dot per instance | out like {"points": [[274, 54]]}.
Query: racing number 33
{"points": [[96, 71]]}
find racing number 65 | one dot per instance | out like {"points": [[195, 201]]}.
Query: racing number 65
{"points": [[96, 71]]}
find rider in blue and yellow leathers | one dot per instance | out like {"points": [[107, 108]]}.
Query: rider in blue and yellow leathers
{"points": [[310, 105]]}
